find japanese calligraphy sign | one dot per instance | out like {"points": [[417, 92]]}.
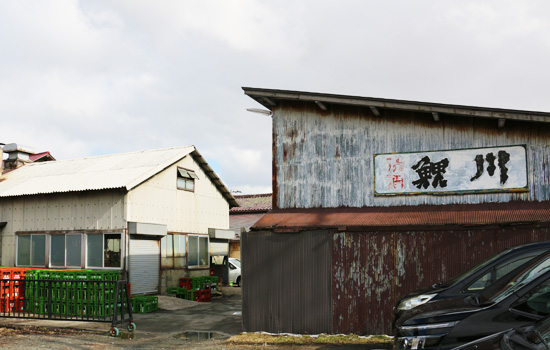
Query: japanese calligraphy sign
{"points": [[498, 169]]}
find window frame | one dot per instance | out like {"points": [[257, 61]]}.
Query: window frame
{"points": [[50, 251], [87, 266], [197, 267], [169, 253], [188, 176], [46, 252]]}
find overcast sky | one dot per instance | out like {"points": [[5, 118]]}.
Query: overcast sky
{"points": [[83, 78]]}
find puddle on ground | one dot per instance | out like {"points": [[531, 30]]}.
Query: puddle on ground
{"points": [[200, 336], [127, 335]]}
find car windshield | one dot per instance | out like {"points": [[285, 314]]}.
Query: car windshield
{"points": [[235, 262], [515, 280], [470, 271]]}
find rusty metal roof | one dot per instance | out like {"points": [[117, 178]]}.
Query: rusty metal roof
{"points": [[116, 171], [433, 215], [271, 99]]}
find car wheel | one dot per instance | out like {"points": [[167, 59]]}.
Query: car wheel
{"points": [[239, 283]]}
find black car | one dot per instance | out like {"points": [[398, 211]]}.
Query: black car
{"points": [[475, 279], [519, 298], [533, 337]]}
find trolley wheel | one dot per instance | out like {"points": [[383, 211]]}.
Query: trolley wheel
{"points": [[114, 332], [131, 326]]}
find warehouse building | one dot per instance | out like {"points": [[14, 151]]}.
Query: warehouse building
{"points": [[150, 215], [374, 198]]}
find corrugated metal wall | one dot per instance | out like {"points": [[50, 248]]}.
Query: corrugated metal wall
{"points": [[287, 282], [371, 270], [97, 210], [324, 159]]}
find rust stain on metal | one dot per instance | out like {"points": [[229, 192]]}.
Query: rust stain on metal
{"points": [[325, 160], [357, 218], [371, 270]]}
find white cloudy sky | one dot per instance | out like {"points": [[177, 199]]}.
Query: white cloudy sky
{"points": [[82, 78]]}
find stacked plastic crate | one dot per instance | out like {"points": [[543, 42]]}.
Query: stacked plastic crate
{"points": [[73, 293], [195, 288], [142, 304], [12, 292]]}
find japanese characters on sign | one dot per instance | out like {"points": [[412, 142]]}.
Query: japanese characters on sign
{"points": [[467, 170]]}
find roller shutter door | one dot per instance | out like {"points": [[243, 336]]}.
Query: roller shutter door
{"points": [[144, 265]]}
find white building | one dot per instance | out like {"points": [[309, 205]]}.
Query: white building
{"points": [[145, 213]]}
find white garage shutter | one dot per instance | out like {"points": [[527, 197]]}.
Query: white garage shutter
{"points": [[144, 265]]}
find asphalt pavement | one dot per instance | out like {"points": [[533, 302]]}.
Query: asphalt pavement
{"points": [[218, 319]]}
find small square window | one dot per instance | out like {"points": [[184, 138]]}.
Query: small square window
{"points": [[186, 179]]}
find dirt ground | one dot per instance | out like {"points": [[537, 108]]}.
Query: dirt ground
{"points": [[32, 337]]}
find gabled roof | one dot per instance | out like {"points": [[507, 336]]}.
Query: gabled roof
{"points": [[117, 171], [41, 157], [253, 203], [272, 99]]}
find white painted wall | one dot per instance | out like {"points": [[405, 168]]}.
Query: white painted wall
{"points": [[159, 201]]}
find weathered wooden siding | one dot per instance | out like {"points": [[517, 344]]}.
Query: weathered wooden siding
{"points": [[98, 210], [325, 159], [287, 282], [371, 270]]}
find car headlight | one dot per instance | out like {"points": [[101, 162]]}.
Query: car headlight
{"points": [[411, 303]]}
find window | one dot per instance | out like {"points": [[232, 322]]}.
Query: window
{"points": [[173, 249], [198, 251], [186, 179], [167, 251], [66, 250], [31, 250], [180, 247], [501, 270], [103, 250], [536, 301]]}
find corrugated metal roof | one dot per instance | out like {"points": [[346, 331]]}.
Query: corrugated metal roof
{"points": [[253, 203], [124, 171], [271, 99], [238, 222], [443, 215]]}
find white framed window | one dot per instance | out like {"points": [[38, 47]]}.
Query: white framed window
{"points": [[186, 179], [66, 250], [199, 254], [31, 250], [104, 250]]}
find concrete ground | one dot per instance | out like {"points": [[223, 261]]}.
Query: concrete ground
{"points": [[178, 324], [180, 327]]}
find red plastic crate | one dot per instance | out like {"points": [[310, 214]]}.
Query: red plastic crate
{"points": [[203, 295], [185, 283], [11, 305]]}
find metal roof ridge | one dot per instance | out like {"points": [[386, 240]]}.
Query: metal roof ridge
{"points": [[160, 167], [108, 155], [311, 96]]}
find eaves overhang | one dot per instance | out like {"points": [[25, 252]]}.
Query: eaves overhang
{"points": [[405, 217], [272, 99], [215, 179]]}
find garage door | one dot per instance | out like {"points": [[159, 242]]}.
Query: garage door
{"points": [[144, 265]]}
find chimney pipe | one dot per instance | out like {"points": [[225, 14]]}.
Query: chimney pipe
{"points": [[18, 155], [1, 158]]}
